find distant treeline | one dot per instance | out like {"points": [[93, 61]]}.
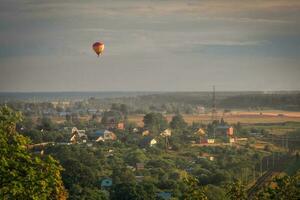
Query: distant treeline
{"points": [[275, 101], [168, 102]]}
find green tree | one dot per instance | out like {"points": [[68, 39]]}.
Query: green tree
{"points": [[285, 187], [236, 191], [111, 116], [178, 122], [155, 122], [133, 191], [136, 156], [46, 124], [193, 190], [22, 175]]}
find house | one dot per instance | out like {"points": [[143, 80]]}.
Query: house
{"points": [[74, 129], [145, 132], [231, 140], [224, 130], [106, 183], [207, 140], [148, 142], [113, 124], [121, 126], [135, 130], [78, 136], [103, 135], [210, 141], [166, 133], [200, 132], [200, 109]]}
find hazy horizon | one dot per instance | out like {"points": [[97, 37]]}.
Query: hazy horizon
{"points": [[150, 46]]}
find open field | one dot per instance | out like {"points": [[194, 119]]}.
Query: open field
{"points": [[244, 117]]}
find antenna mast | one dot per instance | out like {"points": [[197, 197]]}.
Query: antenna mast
{"points": [[214, 107], [214, 111]]}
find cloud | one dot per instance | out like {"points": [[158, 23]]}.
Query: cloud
{"points": [[146, 40]]}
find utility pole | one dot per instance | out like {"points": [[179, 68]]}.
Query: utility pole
{"points": [[213, 111], [214, 106]]}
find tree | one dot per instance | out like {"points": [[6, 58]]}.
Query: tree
{"points": [[46, 124], [133, 191], [155, 122], [193, 190], [136, 156], [285, 187], [111, 116], [22, 175], [178, 122], [236, 191]]}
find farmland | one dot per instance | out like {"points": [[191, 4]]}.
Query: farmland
{"points": [[244, 117]]}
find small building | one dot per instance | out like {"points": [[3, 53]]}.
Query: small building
{"points": [[224, 130], [78, 136], [103, 135], [135, 130], [166, 133], [121, 126], [231, 140], [200, 132], [205, 140], [210, 141], [112, 123], [145, 133]]}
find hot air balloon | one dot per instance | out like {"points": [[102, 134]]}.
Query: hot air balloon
{"points": [[98, 48]]}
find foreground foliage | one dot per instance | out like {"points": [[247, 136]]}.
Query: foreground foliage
{"points": [[284, 187], [22, 175]]}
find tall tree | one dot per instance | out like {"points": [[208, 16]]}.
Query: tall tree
{"points": [[178, 122], [22, 175], [237, 190], [155, 122], [193, 190], [284, 187]]}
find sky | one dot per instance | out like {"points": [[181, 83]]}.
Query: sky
{"points": [[150, 45]]}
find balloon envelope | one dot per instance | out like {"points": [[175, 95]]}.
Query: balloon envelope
{"points": [[98, 48]]}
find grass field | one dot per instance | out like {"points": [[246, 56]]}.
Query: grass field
{"points": [[234, 117]]}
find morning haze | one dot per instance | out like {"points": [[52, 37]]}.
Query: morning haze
{"points": [[150, 45]]}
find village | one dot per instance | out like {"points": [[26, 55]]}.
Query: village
{"points": [[105, 145]]}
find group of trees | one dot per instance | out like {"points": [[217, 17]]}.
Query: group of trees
{"points": [[23, 175], [281, 188]]}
